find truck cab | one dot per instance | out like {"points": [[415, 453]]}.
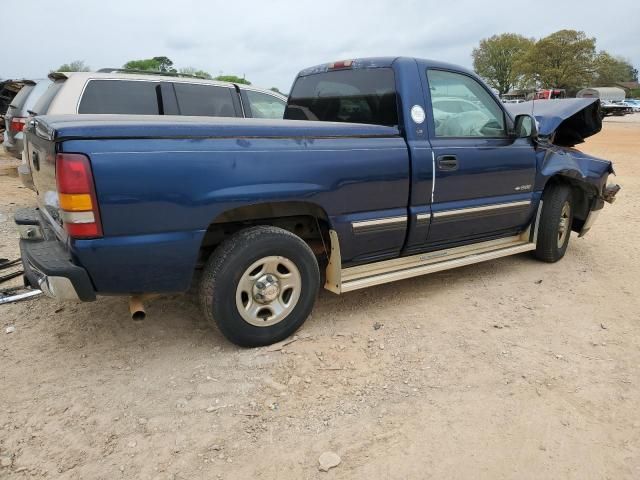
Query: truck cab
{"points": [[466, 176]]}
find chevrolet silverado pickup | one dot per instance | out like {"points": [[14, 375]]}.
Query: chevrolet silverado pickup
{"points": [[382, 169]]}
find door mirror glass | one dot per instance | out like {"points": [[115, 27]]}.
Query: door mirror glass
{"points": [[525, 127]]}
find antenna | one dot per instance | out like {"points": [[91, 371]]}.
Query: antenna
{"points": [[533, 100]]}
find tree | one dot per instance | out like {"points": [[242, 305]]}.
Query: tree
{"points": [[196, 72], [233, 79], [75, 66], [496, 60], [609, 69], [164, 64], [563, 59], [277, 90], [156, 64]]}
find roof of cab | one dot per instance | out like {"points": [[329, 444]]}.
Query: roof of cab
{"points": [[382, 62]]}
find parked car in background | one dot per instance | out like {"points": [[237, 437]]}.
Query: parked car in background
{"points": [[633, 104], [114, 91], [17, 113], [609, 108], [548, 94], [143, 93], [9, 88]]}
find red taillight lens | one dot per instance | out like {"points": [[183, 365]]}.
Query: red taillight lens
{"points": [[73, 173], [17, 124], [83, 230], [77, 196]]}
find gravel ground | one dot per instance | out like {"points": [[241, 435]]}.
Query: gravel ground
{"points": [[507, 369]]}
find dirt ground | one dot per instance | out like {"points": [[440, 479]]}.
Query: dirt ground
{"points": [[507, 369]]}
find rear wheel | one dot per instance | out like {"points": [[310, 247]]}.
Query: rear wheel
{"points": [[554, 228], [260, 285]]}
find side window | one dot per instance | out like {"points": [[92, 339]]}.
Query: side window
{"points": [[120, 97], [263, 105], [463, 108], [205, 100]]}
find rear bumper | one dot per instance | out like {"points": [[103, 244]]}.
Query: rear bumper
{"points": [[24, 172], [47, 265], [14, 146]]}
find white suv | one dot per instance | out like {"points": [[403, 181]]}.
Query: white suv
{"points": [[127, 92], [113, 91]]}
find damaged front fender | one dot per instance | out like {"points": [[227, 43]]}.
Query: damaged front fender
{"points": [[563, 124], [585, 171], [587, 175]]}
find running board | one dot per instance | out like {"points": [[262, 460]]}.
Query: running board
{"points": [[341, 280]]}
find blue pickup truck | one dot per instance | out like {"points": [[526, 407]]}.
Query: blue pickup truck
{"points": [[383, 169]]}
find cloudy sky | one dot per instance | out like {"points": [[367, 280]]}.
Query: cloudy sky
{"points": [[270, 42]]}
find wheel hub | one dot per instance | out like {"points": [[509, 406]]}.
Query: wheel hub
{"points": [[266, 289], [563, 224]]}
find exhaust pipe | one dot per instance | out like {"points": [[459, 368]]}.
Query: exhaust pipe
{"points": [[136, 307]]}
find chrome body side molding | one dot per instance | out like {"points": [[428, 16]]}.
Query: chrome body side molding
{"points": [[379, 224], [483, 208]]}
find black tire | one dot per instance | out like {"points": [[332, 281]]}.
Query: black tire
{"points": [[228, 264], [550, 247]]}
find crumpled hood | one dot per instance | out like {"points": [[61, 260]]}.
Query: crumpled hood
{"points": [[565, 122]]}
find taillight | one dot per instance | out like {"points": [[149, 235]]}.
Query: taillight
{"points": [[17, 124], [77, 195]]}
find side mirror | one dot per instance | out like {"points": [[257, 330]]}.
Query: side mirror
{"points": [[525, 126]]}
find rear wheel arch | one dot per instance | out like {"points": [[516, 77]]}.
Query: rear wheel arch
{"points": [[307, 220]]}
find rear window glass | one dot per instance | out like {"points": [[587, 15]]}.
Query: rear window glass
{"points": [[42, 105], [205, 100], [358, 96], [120, 97]]}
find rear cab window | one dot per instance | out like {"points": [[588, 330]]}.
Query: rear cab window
{"points": [[366, 95], [206, 100], [120, 97]]}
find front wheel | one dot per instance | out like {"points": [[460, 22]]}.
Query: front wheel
{"points": [[260, 285], [554, 228]]}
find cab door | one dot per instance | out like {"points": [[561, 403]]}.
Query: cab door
{"points": [[483, 177]]}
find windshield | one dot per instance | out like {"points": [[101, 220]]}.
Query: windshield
{"points": [[356, 96]]}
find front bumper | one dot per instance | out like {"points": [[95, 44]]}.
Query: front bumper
{"points": [[609, 196], [47, 264]]}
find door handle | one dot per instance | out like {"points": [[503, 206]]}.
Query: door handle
{"points": [[447, 162]]}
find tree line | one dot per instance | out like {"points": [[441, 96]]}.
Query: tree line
{"points": [[566, 59], [159, 64]]}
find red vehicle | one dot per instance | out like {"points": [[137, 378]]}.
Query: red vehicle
{"points": [[550, 94]]}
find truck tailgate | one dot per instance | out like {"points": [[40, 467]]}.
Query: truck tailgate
{"points": [[41, 157]]}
